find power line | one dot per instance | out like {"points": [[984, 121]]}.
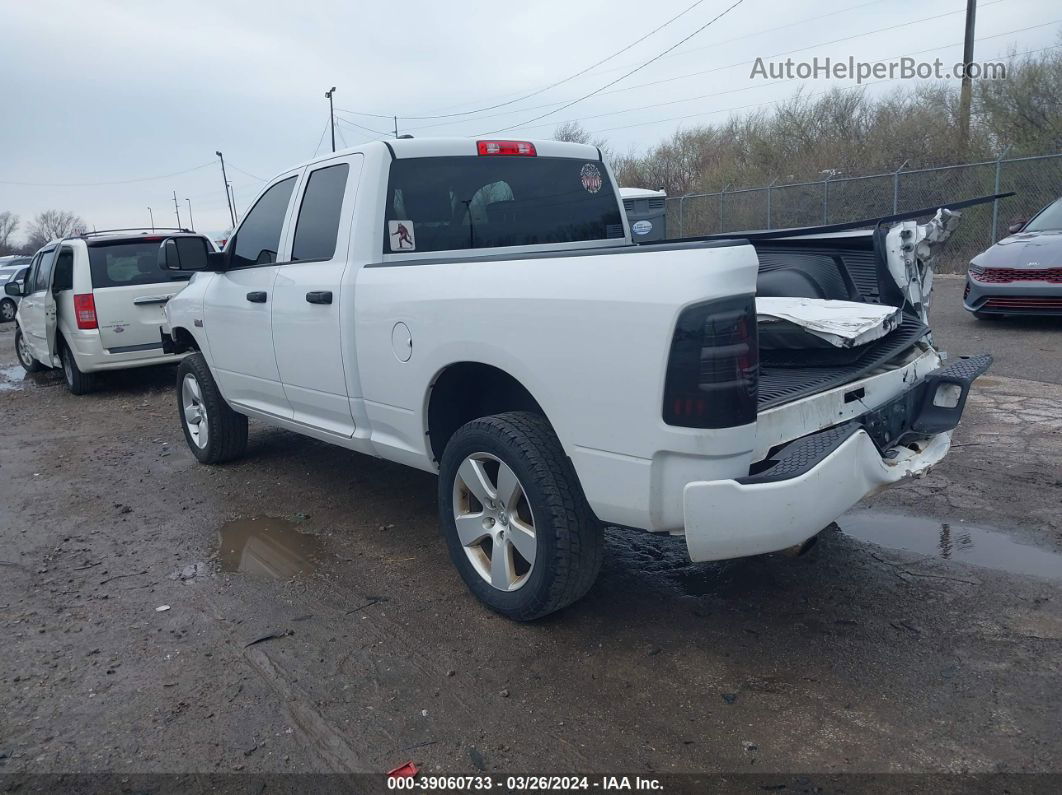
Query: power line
{"points": [[321, 139], [234, 167], [783, 99], [624, 76], [776, 82], [361, 127], [542, 90], [98, 184]]}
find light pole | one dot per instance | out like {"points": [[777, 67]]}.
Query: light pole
{"points": [[331, 115], [152, 216], [225, 180], [191, 223]]}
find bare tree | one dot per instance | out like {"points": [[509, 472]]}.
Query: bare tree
{"points": [[51, 224], [8, 226], [573, 132]]}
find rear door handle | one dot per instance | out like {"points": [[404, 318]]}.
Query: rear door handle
{"points": [[319, 297], [257, 297], [152, 299]]}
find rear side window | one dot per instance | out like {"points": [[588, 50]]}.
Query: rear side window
{"points": [[64, 270], [122, 263], [318, 224], [445, 203], [258, 238]]}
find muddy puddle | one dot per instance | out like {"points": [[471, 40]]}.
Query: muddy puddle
{"points": [[11, 378], [959, 541], [265, 546]]}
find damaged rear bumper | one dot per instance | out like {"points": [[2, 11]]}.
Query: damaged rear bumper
{"points": [[806, 484]]}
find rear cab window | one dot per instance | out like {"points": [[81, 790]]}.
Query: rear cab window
{"points": [[129, 262], [468, 202]]}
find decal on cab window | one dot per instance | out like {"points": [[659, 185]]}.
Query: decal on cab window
{"points": [[401, 236], [590, 175]]}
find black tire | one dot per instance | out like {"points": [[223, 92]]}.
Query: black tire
{"points": [[77, 382], [25, 358], [8, 310], [226, 429], [569, 540]]}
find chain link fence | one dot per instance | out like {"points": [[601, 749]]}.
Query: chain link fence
{"points": [[1035, 180]]}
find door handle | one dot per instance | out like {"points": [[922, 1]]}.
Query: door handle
{"points": [[319, 297], [257, 297], [152, 299]]}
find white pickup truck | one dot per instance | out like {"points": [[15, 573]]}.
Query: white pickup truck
{"points": [[477, 309]]}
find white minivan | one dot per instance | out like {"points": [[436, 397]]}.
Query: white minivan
{"points": [[95, 302]]}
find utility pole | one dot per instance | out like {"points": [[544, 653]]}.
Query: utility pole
{"points": [[396, 126], [966, 89], [177, 209], [331, 115], [225, 179], [191, 223], [232, 204], [152, 216]]}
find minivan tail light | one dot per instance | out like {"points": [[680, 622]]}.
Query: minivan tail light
{"points": [[713, 371], [519, 148], [85, 311]]}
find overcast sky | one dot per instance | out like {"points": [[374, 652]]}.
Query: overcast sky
{"points": [[105, 90]]}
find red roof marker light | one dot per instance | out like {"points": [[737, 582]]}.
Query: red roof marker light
{"points": [[518, 148]]}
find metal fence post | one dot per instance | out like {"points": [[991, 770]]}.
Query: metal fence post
{"points": [[682, 215], [826, 199], [769, 187], [722, 199], [896, 187], [995, 202]]}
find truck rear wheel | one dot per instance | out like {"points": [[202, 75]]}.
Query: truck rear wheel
{"points": [[214, 432], [514, 516]]}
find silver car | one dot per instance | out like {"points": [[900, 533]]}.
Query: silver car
{"points": [[1022, 273], [12, 270]]}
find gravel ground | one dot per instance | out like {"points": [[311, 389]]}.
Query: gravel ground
{"points": [[313, 622]]}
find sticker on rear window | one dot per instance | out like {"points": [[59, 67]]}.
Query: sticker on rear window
{"points": [[401, 236], [591, 178]]}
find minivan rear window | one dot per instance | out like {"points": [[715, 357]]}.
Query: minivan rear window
{"points": [[123, 263], [446, 203]]}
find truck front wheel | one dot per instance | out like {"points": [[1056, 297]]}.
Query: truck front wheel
{"points": [[214, 432], [514, 516]]}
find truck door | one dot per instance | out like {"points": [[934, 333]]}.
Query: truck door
{"points": [[307, 334], [238, 303]]}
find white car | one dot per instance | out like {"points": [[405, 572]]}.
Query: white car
{"points": [[12, 269], [477, 309], [94, 302]]}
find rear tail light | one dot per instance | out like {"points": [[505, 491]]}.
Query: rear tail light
{"points": [[85, 311], [519, 148], [713, 372]]}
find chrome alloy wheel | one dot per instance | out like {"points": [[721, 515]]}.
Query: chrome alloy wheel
{"points": [[494, 521], [195, 413]]}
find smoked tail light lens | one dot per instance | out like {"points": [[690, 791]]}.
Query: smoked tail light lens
{"points": [[85, 311], [518, 148], [713, 371]]}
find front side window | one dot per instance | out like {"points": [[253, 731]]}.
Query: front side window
{"points": [[318, 224], [446, 203], [43, 272], [1049, 219], [258, 238]]}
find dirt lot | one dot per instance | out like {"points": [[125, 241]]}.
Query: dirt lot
{"points": [[858, 656]]}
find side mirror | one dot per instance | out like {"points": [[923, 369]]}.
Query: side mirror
{"points": [[187, 254], [1017, 226], [14, 289]]}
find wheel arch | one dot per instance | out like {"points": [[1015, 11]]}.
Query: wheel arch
{"points": [[465, 390]]}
